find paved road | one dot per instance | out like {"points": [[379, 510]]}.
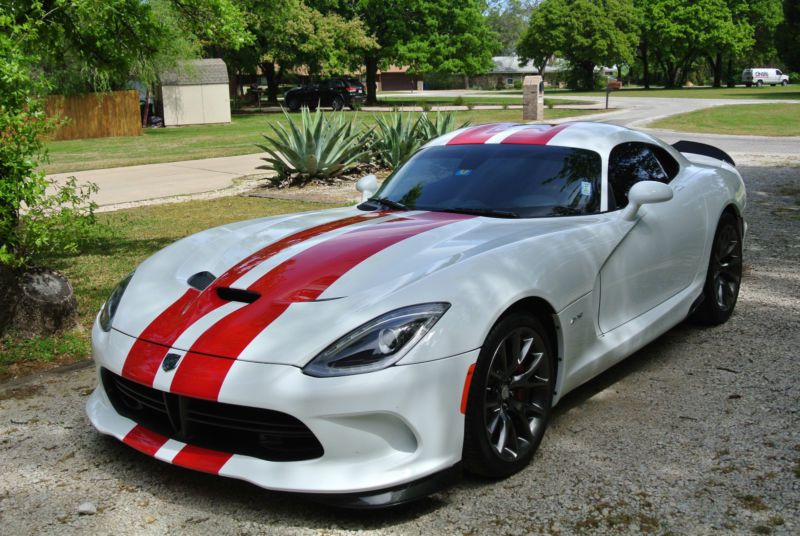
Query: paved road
{"points": [[121, 186]]}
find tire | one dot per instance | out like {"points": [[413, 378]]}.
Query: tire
{"points": [[724, 277], [748, 84], [760, 83], [784, 83], [293, 103], [337, 104], [509, 401]]}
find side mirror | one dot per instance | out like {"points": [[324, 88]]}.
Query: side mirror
{"points": [[643, 193], [367, 185]]}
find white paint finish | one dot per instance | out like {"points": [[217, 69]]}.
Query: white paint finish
{"points": [[169, 450], [402, 423]]}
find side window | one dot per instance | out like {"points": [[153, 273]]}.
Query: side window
{"points": [[778, 72], [337, 83], [670, 165], [628, 164]]}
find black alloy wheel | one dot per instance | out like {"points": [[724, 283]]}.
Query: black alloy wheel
{"points": [[510, 397], [724, 276], [337, 104]]}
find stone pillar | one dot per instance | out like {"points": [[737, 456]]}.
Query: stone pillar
{"points": [[533, 98], [420, 84]]}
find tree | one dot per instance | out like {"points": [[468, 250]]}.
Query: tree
{"points": [[449, 36], [97, 45], [291, 33], [544, 35], [508, 19], [788, 37], [598, 33]]}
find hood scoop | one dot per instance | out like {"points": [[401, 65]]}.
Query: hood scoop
{"points": [[237, 294], [201, 280]]}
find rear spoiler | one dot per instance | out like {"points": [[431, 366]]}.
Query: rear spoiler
{"points": [[703, 149]]}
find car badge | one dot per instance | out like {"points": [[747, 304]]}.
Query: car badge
{"points": [[170, 362]]}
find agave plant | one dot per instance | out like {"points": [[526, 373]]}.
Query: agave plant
{"points": [[396, 138], [441, 125], [319, 147]]}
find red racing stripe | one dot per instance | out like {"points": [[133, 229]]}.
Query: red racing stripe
{"points": [[143, 360], [534, 136], [200, 459], [302, 278], [144, 440], [479, 134]]}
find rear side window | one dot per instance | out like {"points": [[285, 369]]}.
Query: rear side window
{"points": [[628, 164]]}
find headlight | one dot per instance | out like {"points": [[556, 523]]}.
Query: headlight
{"points": [[110, 307], [377, 344]]}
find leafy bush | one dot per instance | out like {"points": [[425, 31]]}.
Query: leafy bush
{"points": [[37, 216], [517, 84], [426, 106], [319, 147], [458, 101]]}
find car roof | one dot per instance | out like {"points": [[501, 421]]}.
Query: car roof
{"points": [[598, 137]]}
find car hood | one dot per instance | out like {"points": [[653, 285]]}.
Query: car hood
{"points": [[335, 262]]}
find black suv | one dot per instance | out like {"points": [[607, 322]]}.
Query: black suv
{"points": [[334, 93]]}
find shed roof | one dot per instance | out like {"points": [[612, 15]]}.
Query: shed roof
{"points": [[510, 65], [196, 72]]}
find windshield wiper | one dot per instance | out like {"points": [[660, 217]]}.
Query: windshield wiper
{"points": [[481, 212], [561, 210], [388, 203]]}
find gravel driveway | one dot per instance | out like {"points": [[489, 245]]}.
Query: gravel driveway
{"points": [[695, 434]]}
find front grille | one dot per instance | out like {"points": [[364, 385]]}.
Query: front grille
{"points": [[261, 433]]}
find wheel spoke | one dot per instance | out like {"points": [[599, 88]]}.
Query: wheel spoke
{"points": [[534, 366], [501, 440]]}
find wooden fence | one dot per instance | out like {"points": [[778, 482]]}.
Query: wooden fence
{"points": [[96, 115]]}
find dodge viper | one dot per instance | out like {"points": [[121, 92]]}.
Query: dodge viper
{"points": [[370, 354]]}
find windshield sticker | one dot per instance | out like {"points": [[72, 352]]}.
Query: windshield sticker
{"points": [[586, 188], [463, 172]]}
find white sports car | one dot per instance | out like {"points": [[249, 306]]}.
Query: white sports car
{"points": [[366, 355]]}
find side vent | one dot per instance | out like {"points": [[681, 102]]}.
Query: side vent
{"points": [[201, 280], [237, 294]]}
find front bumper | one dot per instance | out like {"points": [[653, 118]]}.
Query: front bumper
{"points": [[378, 430]]}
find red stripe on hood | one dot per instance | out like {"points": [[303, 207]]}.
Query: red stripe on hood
{"points": [[479, 134], [144, 359], [534, 136], [302, 278]]}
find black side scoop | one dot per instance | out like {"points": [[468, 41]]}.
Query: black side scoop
{"points": [[237, 294]]}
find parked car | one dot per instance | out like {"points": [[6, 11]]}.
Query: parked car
{"points": [[334, 93], [367, 354], [762, 75]]}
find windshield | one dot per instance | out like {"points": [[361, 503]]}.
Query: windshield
{"points": [[525, 181]]}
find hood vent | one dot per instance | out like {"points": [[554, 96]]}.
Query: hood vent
{"points": [[201, 280], [237, 294]]}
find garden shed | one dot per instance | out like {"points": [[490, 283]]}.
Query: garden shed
{"points": [[196, 93]]}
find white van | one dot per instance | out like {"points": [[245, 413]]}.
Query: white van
{"points": [[762, 75]]}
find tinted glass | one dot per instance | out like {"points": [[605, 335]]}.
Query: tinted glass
{"points": [[527, 180], [628, 164]]}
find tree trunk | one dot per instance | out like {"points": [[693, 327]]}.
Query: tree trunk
{"points": [[645, 64], [716, 67], [730, 82], [371, 63], [37, 303], [268, 68], [587, 78]]}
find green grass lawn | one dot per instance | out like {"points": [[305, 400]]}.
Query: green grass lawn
{"points": [[753, 119], [208, 141], [790, 92], [97, 268]]}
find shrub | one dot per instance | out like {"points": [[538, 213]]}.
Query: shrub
{"points": [[319, 147], [458, 101], [441, 125], [397, 136], [470, 106], [37, 216], [426, 106], [517, 84]]}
